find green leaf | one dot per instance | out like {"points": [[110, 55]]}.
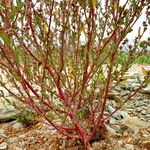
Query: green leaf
{"points": [[1, 92], [13, 12], [93, 2], [17, 56], [20, 4], [74, 35], [51, 116], [4, 36], [139, 80]]}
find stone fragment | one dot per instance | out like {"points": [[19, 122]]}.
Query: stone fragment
{"points": [[144, 112], [3, 146], [7, 115], [129, 147], [18, 126]]}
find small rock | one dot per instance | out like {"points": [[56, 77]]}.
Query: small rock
{"points": [[144, 112], [22, 136], [122, 115], [18, 126], [3, 146], [147, 116], [124, 93], [139, 109], [143, 119], [116, 128], [145, 108], [146, 90], [136, 104], [6, 115], [148, 111], [129, 147], [3, 133], [109, 129], [134, 123], [112, 120], [117, 89]]}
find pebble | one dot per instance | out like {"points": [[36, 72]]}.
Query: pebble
{"points": [[139, 109], [129, 147], [148, 111], [144, 112], [3, 146], [112, 120], [18, 126], [22, 136], [3, 133], [117, 128], [125, 93]]}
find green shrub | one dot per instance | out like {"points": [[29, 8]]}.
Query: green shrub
{"points": [[62, 58]]}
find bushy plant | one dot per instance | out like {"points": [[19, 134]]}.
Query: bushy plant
{"points": [[61, 58]]}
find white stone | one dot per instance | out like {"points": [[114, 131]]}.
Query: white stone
{"points": [[3, 133], [144, 112], [18, 126], [129, 147], [3, 146], [139, 109]]}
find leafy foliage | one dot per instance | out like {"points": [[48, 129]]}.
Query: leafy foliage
{"points": [[62, 58]]}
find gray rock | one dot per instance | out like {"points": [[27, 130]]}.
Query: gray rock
{"points": [[133, 106], [139, 109], [110, 108], [130, 109], [135, 85], [118, 115], [148, 111], [147, 116], [3, 146], [7, 115], [18, 126], [136, 104], [109, 129], [117, 128], [124, 93], [117, 89], [144, 112], [143, 119], [145, 108], [146, 90], [146, 101], [112, 120]]}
